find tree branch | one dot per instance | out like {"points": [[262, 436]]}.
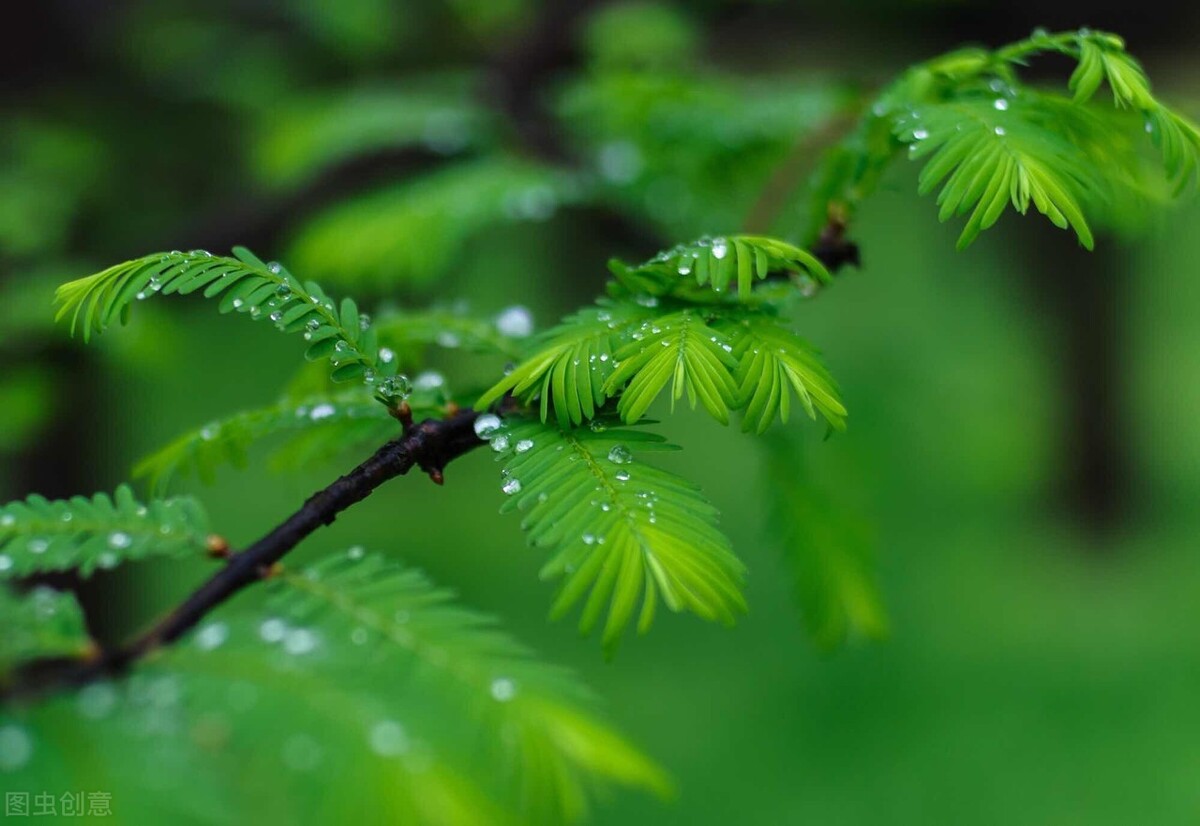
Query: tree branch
{"points": [[430, 446]]}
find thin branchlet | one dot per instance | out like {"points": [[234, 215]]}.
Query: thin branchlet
{"points": [[429, 445]]}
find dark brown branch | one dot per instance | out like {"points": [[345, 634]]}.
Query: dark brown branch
{"points": [[430, 446]]}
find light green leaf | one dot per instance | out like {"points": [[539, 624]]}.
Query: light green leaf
{"points": [[621, 531], [38, 535], [680, 350]]}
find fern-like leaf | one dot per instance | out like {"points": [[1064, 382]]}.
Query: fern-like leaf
{"points": [[620, 530], [40, 623], [1179, 141], [827, 551], [38, 535], [986, 157], [413, 232], [718, 262], [572, 363], [348, 418], [304, 137], [681, 350], [245, 284], [771, 359], [459, 722]]}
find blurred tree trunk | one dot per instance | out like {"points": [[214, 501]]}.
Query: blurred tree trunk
{"points": [[1081, 296]]}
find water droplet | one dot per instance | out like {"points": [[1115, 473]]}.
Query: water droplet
{"points": [[212, 636], [96, 701], [107, 561], [238, 303], [210, 431], [276, 316], [395, 388], [322, 411], [119, 540], [620, 455], [503, 689], [283, 290], [1000, 103], [486, 425], [523, 445], [359, 636], [720, 248], [448, 339], [16, 747], [275, 267], [647, 300], [299, 641], [388, 739], [364, 321], [429, 380], [999, 130], [511, 486], [386, 356], [38, 546], [356, 553], [920, 134], [272, 630], [8, 520], [312, 325], [685, 266], [622, 475], [500, 443], [589, 539], [515, 321]]}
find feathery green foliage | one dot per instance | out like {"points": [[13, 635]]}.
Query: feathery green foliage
{"points": [[991, 141], [413, 232], [42, 622], [446, 718], [450, 720], [38, 534], [719, 261], [681, 350], [441, 705], [572, 363], [339, 416], [988, 157], [827, 550], [668, 323], [313, 134], [246, 285], [553, 749], [770, 360], [620, 530]]}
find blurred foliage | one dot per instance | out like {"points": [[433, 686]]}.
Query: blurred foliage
{"points": [[367, 142]]}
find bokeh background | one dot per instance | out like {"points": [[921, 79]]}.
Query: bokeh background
{"points": [[1024, 447]]}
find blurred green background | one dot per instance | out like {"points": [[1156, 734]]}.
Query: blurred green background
{"points": [[1024, 441]]}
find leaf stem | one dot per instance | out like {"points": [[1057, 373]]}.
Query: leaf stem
{"points": [[430, 446]]}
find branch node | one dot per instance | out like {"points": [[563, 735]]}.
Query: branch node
{"points": [[217, 547], [403, 412]]}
